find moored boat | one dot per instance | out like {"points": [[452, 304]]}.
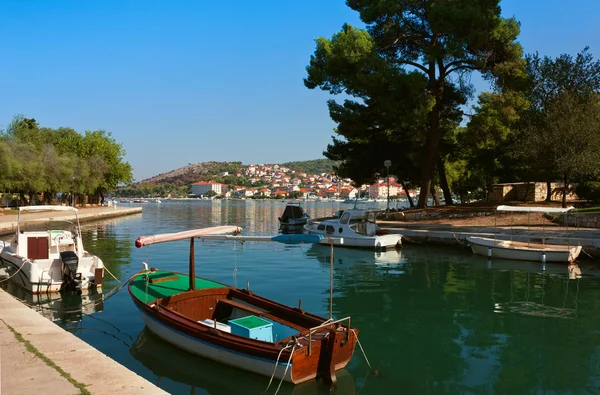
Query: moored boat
{"points": [[46, 255], [293, 215], [525, 250], [355, 228], [237, 327]]}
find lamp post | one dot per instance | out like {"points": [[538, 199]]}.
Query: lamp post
{"points": [[387, 165]]}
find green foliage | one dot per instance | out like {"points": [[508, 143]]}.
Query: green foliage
{"points": [[407, 72], [589, 190], [315, 166], [40, 162]]}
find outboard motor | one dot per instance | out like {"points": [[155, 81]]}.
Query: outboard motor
{"points": [[71, 279]]}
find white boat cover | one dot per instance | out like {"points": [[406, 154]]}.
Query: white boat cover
{"points": [[161, 238], [47, 208], [555, 210]]}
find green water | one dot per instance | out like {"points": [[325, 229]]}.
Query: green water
{"points": [[431, 320]]}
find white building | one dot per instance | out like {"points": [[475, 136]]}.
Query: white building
{"points": [[202, 187]]}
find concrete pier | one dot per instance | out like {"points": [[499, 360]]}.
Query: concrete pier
{"points": [[39, 357], [8, 222], [455, 236]]}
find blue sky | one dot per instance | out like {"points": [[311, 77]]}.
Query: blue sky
{"points": [[180, 82]]}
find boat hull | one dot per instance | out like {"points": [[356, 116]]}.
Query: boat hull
{"points": [[523, 251], [45, 276], [205, 349]]}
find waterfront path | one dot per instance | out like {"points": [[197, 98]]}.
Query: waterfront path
{"points": [[37, 356], [8, 220]]}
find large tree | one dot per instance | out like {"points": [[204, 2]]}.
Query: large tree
{"points": [[563, 92], [440, 40]]}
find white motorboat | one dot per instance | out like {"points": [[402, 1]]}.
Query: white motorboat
{"points": [[523, 250], [46, 254], [355, 228]]}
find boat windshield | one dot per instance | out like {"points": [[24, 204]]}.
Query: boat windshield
{"points": [[34, 225]]}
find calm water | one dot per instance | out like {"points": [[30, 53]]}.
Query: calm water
{"points": [[431, 320]]}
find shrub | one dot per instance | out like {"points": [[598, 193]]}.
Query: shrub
{"points": [[589, 190]]}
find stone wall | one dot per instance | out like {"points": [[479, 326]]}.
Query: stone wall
{"points": [[580, 220], [528, 192]]}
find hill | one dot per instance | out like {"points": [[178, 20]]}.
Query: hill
{"points": [[205, 171]]}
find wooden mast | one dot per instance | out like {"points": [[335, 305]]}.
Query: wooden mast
{"points": [[192, 268]]}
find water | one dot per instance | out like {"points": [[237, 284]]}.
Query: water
{"points": [[431, 320]]}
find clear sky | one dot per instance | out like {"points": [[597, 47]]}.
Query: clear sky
{"points": [[180, 82]]}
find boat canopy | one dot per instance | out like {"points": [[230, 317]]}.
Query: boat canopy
{"points": [[47, 208], [165, 237], [554, 210]]}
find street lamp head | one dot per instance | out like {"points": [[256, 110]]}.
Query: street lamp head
{"points": [[387, 163]]}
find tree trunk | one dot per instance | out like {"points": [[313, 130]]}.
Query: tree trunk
{"points": [[444, 182], [548, 191], [433, 135], [564, 194], [434, 195], [410, 201]]}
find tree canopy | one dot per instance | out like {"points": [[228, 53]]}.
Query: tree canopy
{"points": [[41, 162], [406, 72]]}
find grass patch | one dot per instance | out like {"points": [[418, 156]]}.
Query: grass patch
{"points": [[587, 210], [30, 347]]}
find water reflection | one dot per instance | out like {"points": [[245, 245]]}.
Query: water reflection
{"points": [[204, 375], [349, 256], [65, 308]]}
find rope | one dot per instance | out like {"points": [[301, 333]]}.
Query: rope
{"points": [[361, 348], [277, 362], [14, 274], [286, 368], [412, 241], [113, 276]]}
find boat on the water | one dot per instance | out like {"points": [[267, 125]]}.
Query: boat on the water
{"points": [[235, 326], [46, 254], [525, 250], [293, 216], [355, 228]]}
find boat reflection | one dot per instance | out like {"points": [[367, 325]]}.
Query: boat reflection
{"points": [[347, 256], [170, 364], [538, 294], [65, 308]]}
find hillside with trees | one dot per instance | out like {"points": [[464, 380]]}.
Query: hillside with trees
{"points": [[178, 182]]}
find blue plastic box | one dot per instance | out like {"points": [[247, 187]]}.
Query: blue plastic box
{"points": [[252, 327]]}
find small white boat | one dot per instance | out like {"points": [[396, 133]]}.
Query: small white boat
{"points": [[525, 251], [355, 228], [46, 254], [293, 215]]}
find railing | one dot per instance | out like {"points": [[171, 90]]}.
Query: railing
{"points": [[323, 325]]}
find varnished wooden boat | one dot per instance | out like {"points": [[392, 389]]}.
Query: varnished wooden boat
{"points": [[235, 326]]}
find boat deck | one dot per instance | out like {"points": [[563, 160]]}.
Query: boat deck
{"points": [[162, 284]]}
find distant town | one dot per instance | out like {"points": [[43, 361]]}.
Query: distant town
{"points": [[277, 181]]}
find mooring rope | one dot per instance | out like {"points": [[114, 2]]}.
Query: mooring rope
{"points": [[290, 343], [361, 348], [14, 274]]}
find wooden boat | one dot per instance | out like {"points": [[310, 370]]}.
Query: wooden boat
{"points": [[47, 255], [525, 251], [355, 228], [237, 327], [293, 215]]}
